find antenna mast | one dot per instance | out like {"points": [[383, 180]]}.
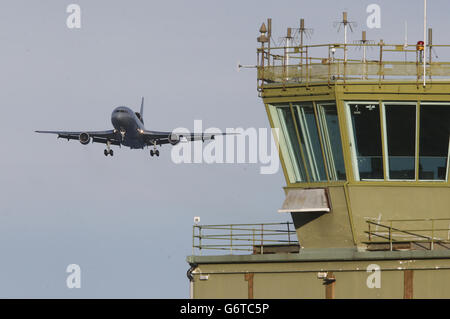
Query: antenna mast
{"points": [[346, 24], [425, 42]]}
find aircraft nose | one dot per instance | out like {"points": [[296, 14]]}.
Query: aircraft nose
{"points": [[117, 118], [120, 119]]}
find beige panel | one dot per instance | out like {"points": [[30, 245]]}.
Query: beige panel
{"points": [[221, 287], [352, 285], [300, 279], [397, 203], [285, 286], [431, 284]]}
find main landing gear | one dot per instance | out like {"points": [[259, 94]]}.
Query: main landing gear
{"points": [[154, 151], [108, 150]]}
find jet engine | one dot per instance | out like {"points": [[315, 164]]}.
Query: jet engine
{"points": [[84, 138], [174, 139]]}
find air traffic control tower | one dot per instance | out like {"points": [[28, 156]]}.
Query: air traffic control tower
{"points": [[363, 131]]}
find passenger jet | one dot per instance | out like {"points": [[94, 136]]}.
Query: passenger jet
{"points": [[129, 131]]}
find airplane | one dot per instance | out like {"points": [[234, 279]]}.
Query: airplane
{"points": [[129, 131]]}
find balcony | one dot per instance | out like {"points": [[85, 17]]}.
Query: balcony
{"points": [[268, 238]]}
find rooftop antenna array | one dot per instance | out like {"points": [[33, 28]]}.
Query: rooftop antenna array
{"points": [[295, 37]]}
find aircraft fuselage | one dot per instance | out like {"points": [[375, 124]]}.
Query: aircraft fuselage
{"points": [[128, 126]]}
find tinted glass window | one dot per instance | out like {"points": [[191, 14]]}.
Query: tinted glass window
{"points": [[309, 137], [293, 146], [331, 137], [434, 141], [401, 141], [367, 145]]}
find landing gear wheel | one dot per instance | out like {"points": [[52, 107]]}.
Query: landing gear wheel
{"points": [[152, 153], [105, 152], [157, 153], [111, 152]]}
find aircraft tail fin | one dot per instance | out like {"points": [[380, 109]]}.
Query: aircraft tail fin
{"points": [[142, 110]]}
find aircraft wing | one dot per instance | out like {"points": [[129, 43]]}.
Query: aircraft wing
{"points": [[161, 138], [97, 136]]}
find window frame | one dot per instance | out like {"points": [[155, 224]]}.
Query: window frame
{"points": [[385, 140], [420, 105], [285, 148], [351, 136], [312, 165], [329, 156]]}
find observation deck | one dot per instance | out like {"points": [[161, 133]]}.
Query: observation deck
{"points": [[295, 63]]}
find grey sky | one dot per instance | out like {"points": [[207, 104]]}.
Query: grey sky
{"points": [[127, 220]]}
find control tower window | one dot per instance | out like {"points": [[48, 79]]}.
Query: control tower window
{"points": [[331, 137], [366, 140], [310, 141], [401, 140], [291, 147], [434, 141]]}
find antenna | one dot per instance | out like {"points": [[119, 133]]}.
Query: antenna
{"points": [[303, 32], [240, 66], [363, 43], [346, 24], [269, 36], [425, 42], [405, 45], [288, 44], [430, 42]]}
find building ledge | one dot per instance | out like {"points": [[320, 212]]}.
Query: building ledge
{"points": [[323, 254]]}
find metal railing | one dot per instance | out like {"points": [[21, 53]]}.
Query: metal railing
{"points": [[238, 238], [423, 233], [320, 63]]}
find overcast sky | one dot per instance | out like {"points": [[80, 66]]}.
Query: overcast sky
{"points": [[127, 220]]}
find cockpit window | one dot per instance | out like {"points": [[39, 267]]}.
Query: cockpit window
{"points": [[121, 111]]}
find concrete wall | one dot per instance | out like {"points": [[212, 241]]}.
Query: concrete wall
{"points": [[430, 278]]}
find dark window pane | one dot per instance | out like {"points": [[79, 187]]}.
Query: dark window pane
{"points": [[290, 135], [401, 141], [434, 141], [331, 137], [309, 137], [367, 138]]}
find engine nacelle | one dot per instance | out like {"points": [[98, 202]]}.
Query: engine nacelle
{"points": [[174, 139], [84, 138]]}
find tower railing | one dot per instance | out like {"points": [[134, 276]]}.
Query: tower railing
{"points": [[309, 64], [397, 234], [240, 238]]}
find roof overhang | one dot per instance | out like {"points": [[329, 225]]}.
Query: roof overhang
{"points": [[306, 201]]}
